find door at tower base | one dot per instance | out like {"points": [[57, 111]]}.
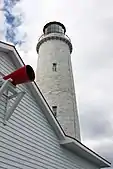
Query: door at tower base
{"points": [[55, 78]]}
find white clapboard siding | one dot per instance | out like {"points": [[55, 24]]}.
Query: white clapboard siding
{"points": [[28, 140]]}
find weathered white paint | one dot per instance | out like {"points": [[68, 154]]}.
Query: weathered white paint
{"points": [[58, 87], [28, 140]]}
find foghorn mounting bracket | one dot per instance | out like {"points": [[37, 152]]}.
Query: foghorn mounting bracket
{"points": [[7, 87]]}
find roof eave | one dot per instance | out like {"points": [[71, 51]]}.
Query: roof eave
{"points": [[78, 148], [11, 50]]}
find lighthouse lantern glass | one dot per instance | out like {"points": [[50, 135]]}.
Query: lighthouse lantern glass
{"points": [[54, 28]]}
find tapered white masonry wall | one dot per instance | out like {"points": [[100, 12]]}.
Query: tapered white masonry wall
{"points": [[58, 86]]}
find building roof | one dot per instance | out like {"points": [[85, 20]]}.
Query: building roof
{"points": [[70, 143]]}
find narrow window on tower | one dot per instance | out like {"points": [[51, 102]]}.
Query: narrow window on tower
{"points": [[54, 68], [54, 108]]}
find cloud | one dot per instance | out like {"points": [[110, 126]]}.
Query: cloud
{"points": [[2, 20], [89, 24], [103, 147], [93, 67], [96, 123], [12, 22]]}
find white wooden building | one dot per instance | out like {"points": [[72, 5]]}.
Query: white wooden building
{"points": [[32, 137]]}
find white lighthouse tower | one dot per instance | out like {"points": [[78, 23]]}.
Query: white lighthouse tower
{"points": [[55, 78]]}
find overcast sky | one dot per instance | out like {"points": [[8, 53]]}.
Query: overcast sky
{"points": [[89, 24]]}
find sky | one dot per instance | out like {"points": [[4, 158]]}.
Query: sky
{"points": [[89, 24]]}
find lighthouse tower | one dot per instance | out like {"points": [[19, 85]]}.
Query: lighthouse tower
{"points": [[55, 78]]}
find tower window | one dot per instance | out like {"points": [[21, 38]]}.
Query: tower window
{"points": [[54, 108], [54, 68]]}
